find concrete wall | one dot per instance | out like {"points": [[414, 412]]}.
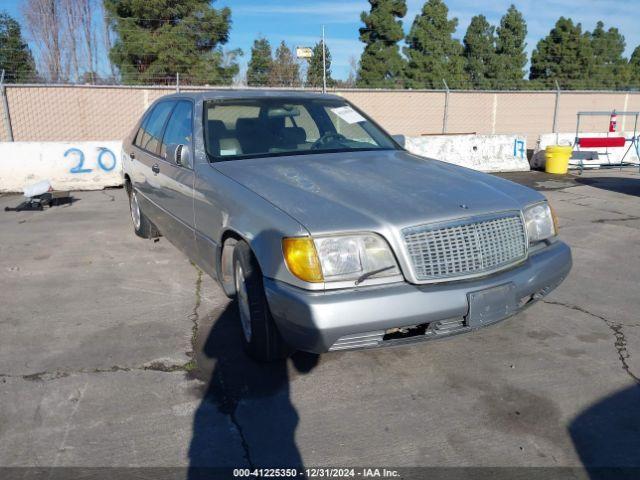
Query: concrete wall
{"points": [[67, 166], [95, 165], [82, 113], [487, 153], [604, 155]]}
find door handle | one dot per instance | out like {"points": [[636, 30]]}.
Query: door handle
{"points": [[132, 156], [155, 169]]}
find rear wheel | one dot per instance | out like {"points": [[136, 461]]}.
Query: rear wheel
{"points": [[141, 224], [260, 334]]}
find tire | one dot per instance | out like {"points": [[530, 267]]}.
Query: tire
{"points": [[260, 335], [141, 224]]}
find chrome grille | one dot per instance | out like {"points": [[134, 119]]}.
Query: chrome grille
{"points": [[466, 247]]}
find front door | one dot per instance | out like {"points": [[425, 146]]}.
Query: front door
{"points": [[176, 195]]}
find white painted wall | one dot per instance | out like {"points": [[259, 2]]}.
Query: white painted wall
{"points": [[487, 153], [605, 155], [96, 165], [67, 165]]}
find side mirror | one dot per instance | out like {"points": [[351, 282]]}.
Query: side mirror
{"points": [[179, 154]]}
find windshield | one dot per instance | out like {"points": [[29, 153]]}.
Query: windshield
{"points": [[249, 128]]}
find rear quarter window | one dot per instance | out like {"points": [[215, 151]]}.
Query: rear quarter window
{"points": [[150, 138], [137, 141]]}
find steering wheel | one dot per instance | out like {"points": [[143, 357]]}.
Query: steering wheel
{"points": [[327, 138]]}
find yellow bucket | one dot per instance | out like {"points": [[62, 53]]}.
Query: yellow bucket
{"points": [[557, 158]]}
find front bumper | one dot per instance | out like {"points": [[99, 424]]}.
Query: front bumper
{"points": [[359, 317]]}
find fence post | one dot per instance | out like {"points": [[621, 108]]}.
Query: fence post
{"points": [[555, 109], [624, 117], [5, 108], [177, 82], [494, 113], [445, 117]]}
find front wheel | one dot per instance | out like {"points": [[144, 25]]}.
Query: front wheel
{"points": [[261, 337]]}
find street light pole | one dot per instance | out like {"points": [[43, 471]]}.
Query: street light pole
{"points": [[324, 64]]}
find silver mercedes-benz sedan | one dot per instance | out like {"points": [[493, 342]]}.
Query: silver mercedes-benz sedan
{"points": [[329, 235]]}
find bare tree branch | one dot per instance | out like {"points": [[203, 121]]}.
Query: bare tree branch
{"points": [[72, 19], [44, 23]]}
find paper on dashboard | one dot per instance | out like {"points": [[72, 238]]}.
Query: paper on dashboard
{"points": [[348, 114]]}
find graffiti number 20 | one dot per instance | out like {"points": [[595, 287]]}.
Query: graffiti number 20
{"points": [[106, 151], [105, 164], [78, 168]]}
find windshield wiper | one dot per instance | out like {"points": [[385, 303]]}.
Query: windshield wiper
{"points": [[364, 276]]}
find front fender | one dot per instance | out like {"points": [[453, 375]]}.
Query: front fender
{"points": [[224, 207]]}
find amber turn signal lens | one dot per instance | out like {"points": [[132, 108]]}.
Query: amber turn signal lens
{"points": [[302, 259]]}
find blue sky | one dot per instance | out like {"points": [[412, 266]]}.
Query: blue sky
{"points": [[299, 22]]}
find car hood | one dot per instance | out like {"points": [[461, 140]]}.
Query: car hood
{"points": [[359, 191]]}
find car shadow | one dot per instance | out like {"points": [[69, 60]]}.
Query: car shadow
{"points": [[255, 399], [625, 185], [606, 436]]}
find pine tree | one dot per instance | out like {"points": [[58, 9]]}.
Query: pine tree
{"points": [[285, 71], [433, 54], [314, 74], [480, 53], [511, 56], [564, 55], [15, 57], [610, 69], [381, 64], [158, 38], [260, 64]]}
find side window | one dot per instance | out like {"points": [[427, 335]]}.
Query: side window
{"points": [[179, 129], [150, 140], [138, 140]]}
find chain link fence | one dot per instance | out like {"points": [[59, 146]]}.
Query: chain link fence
{"points": [[37, 112]]}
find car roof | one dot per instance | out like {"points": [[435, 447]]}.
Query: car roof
{"points": [[247, 94]]}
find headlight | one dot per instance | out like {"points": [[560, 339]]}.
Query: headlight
{"points": [[338, 258], [540, 222]]}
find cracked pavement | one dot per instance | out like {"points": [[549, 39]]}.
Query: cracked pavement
{"points": [[115, 351]]}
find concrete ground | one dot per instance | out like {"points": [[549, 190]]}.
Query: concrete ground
{"points": [[116, 351]]}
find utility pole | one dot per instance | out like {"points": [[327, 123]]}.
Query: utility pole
{"points": [[324, 64], [555, 110]]}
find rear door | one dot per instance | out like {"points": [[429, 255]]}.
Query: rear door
{"points": [[176, 199], [146, 160]]}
